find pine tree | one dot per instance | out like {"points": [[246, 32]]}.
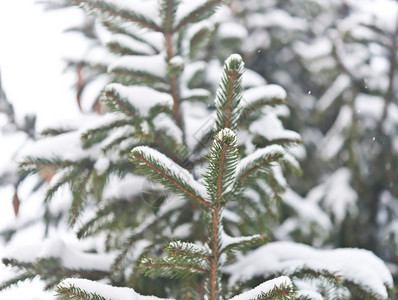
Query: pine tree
{"points": [[350, 130], [221, 166], [337, 60], [364, 92]]}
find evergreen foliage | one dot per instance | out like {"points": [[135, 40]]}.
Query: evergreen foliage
{"points": [[166, 170], [337, 60]]}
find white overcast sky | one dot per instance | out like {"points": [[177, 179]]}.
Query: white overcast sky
{"points": [[31, 49], [32, 45]]}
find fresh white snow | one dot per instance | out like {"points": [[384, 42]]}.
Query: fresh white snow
{"points": [[232, 30], [357, 265], [251, 158], [152, 64], [141, 97], [71, 256], [107, 291], [152, 154], [272, 128], [264, 287], [265, 92]]}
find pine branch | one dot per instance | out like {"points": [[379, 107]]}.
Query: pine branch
{"points": [[229, 94], [255, 106], [283, 292], [198, 14], [50, 270], [126, 249], [82, 289], [198, 42], [361, 291], [55, 131], [285, 142], [168, 11], [223, 158], [276, 187], [169, 17], [138, 233], [17, 279], [100, 133], [116, 103], [169, 146], [128, 76], [111, 10], [221, 168], [263, 187], [256, 98], [280, 288], [72, 292], [356, 289], [261, 158], [243, 244], [129, 141], [68, 176], [170, 267], [101, 221], [79, 192], [32, 165], [118, 29], [214, 241], [120, 49], [163, 170], [309, 273], [177, 249]]}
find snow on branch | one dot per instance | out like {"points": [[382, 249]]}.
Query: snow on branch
{"points": [[142, 15], [178, 248], [355, 267], [194, 11], [230, 243], [139, 69], [70, 257], [271, 128], [142, 99], [336, 195], [73, 288], [257, 160], [268, 290], [260, 96], [165, 171]]}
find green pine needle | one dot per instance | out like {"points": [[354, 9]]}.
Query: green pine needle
{"points": [[229, 94], [222, 161]]}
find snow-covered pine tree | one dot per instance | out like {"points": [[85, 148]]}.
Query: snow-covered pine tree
{"points": [[267, 34], [224, 183], [337, 59], [350, 60], [159, 100]]}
